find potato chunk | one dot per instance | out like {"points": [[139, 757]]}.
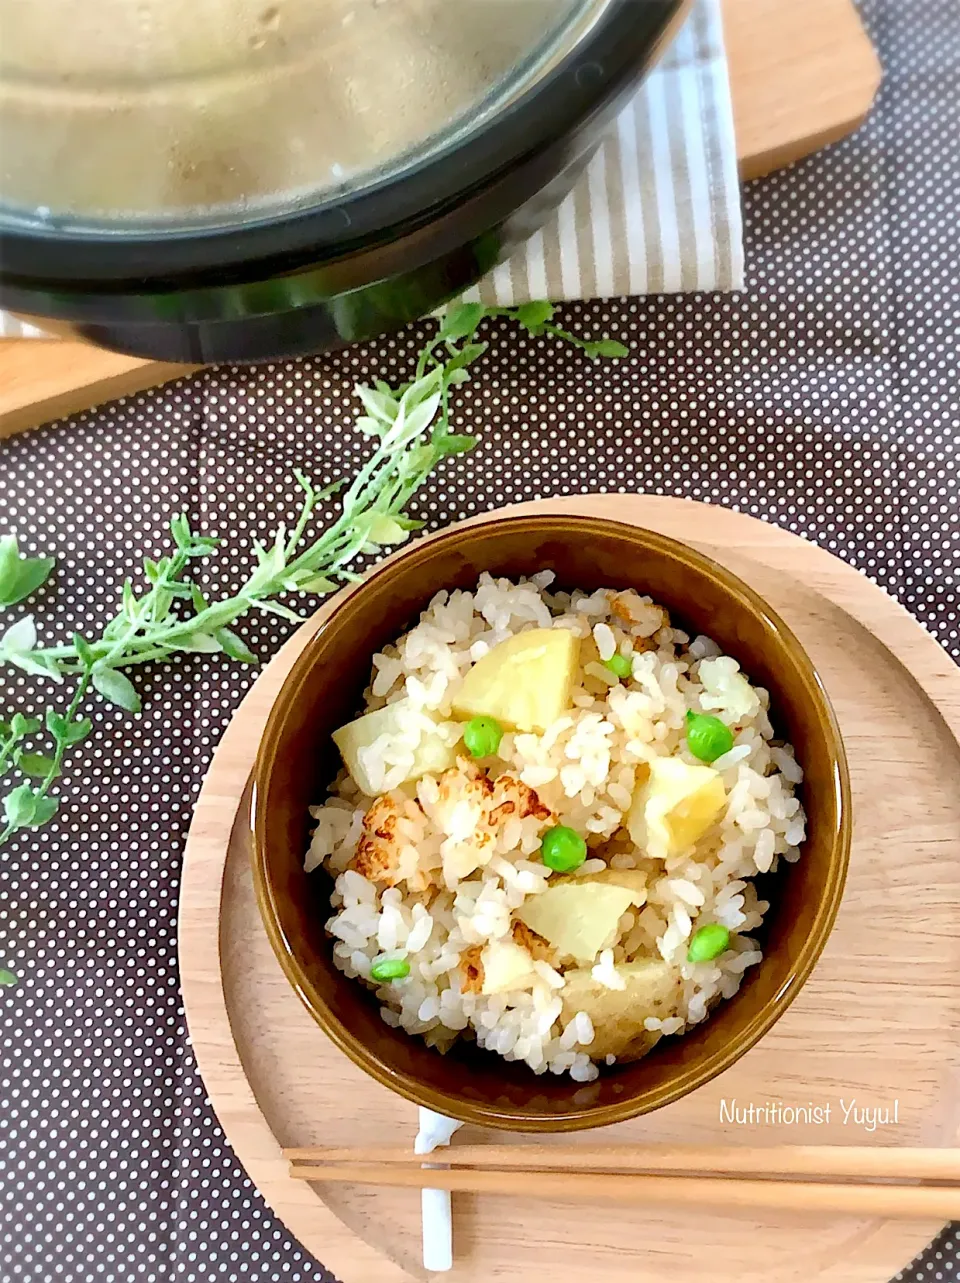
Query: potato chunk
{"points": [[432, 756], [651, 988], [506, 966], [674, 806], [632, 880], [578, 917], [526, 682]]}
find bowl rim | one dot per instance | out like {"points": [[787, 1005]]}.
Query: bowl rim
{"points": [[689, 1077]]}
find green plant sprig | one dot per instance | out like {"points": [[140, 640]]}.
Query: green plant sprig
{"points": [[410, 426]]}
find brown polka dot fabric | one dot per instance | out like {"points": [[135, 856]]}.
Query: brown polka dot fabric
{"points": [[823, 399]]}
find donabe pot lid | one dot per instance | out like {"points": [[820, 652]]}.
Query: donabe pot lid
{"points": [[213, 132]]}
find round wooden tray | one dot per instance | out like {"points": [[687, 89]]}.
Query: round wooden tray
{"points": [[876, 1024]]}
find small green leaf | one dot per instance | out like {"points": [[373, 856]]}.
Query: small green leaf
{"points": [[276, 608], [534, 316], [180, 529], [454, 445], [151, 569], [162, 597], [56, 724], [199, 601], [45, 808], [21, 726], [318, 584], [235, 647], [469, 353], [383, 529], [78, 730], [202, 546], [419, 419], [7, 978], [461, 321], [38, 765], [606, 347], [32, 575], [380, 406], [19, 807], [9, 562], [198, 644], [177, 589], [20, 576], [70, 732], [128, 600], [20, 638], [116, 689], [84, 653]]}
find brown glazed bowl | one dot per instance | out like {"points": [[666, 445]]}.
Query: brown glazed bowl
{"points": [[297, 760]]}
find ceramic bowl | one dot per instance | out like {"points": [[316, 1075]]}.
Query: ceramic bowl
{"points": [[297, 760]]}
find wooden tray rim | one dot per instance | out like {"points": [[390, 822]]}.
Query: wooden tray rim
{"points": [[217, 811]]}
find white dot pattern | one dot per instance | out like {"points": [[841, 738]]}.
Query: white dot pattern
{"points": [[823, 399]]}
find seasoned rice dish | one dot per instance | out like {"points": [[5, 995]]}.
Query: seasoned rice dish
{"points": [[546, 829]]}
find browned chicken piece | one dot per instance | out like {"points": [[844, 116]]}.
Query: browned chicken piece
{"points": [[623, 606], [472, 968], [379, 856], [466, 790], [512, 797], [381, 844], [498, 799], [540, 950]]}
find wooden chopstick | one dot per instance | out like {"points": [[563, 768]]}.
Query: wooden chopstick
{"points": [[851, 1162], [905, 1202]]}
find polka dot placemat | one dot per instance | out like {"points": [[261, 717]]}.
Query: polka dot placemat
{"points": [[822, 399]]}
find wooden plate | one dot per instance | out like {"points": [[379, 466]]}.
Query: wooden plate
{"points": [[873, 1030]]}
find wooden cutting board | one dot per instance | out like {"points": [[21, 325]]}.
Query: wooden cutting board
{"points": [[802, 74]]}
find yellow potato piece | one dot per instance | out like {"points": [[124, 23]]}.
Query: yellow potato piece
{"points": [[506, 966], [651, 988], [674, 806], [432, 756], [578, 917], [632, 880], [526, 682]]}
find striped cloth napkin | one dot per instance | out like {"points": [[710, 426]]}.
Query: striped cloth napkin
{"points": [[657, 211]]}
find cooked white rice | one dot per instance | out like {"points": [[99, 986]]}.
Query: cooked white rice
{"points": [[445, 904]]}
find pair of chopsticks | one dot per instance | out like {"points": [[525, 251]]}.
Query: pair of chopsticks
{"points": [[910, 1184]]}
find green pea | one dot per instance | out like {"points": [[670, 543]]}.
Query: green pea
{"points": [[708, 943], [707, 737], [563, 849], [482, 736], [620, 665], [389, 969]]}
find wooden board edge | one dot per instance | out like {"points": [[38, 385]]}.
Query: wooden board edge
{"points": [[216, 812], [837, 79], [42, 380]]}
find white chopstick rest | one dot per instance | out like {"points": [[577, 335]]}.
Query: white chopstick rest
{"points": [[435, 1130]]}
